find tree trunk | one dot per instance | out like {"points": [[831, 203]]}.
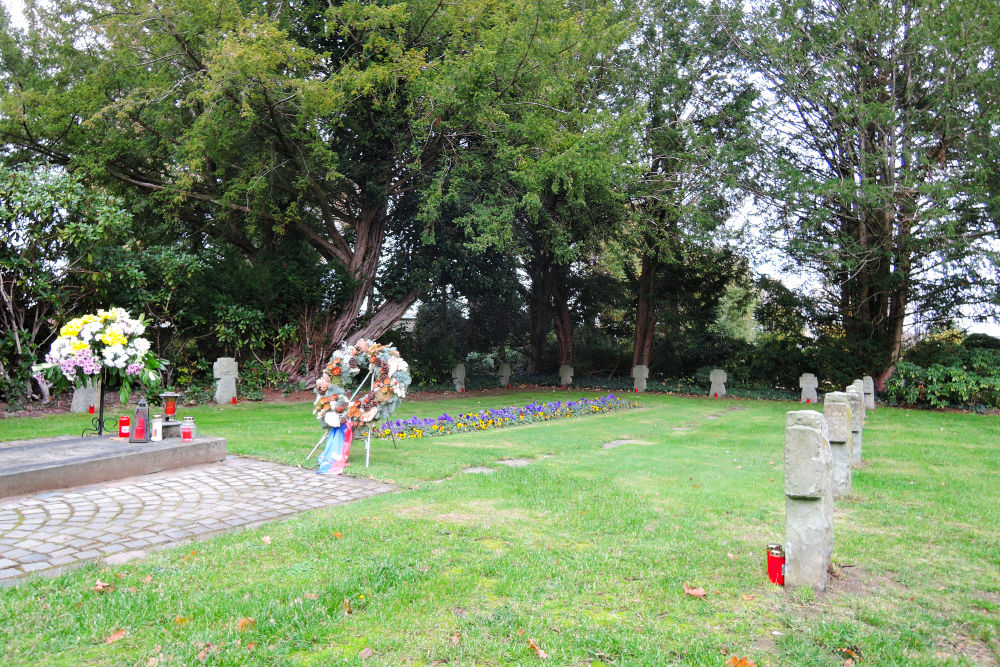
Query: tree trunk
{"points": [[540, 317], [557, 292], [382, 321], [645, 317]]}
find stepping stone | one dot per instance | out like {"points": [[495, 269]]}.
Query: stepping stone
{"points": [[682, 428], [711, 416], [515, 463], [619, 443], [479, 470], [125, 557]]}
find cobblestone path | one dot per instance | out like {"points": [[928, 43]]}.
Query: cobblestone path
{"points": [[56, 529]]}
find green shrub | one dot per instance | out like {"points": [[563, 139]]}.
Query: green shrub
{"points": [[943, 386]]}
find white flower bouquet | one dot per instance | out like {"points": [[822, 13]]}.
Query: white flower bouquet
{"points": [[110, 341]]}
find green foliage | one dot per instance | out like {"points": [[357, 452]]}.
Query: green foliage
{"points": [[943, 386], [16, 366], [947, 370]]}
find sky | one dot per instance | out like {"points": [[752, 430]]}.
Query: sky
{"points": [[15, 9]]}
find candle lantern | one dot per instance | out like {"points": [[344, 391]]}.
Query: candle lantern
{"points": [[187, 429], [169, 399], [156, 428], [140, 423], [123, 427]]}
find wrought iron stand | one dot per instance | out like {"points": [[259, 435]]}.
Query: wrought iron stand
{"points": [[97, 424]]}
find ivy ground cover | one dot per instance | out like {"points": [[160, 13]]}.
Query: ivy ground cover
{"points": [[584, 553]]}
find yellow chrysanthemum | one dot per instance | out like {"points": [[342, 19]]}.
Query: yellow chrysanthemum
{"points": [[71, 328], [79, 345], [113, 338]]}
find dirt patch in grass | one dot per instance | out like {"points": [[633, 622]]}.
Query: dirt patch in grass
{"points": [[478, 512], [964, 646]]}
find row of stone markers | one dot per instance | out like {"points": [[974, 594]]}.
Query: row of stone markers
{"points": [[821, 449], [225, 370]]}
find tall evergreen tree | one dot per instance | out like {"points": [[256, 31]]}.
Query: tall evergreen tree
{"points": [[885, 122]]}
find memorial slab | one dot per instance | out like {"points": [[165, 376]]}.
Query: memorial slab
{"points": [[28, 466], [226, 371]]}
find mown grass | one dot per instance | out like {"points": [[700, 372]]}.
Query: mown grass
{"points": [[585, 551]]}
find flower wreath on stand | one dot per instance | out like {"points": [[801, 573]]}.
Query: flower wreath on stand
{"points": [[363, 383]]}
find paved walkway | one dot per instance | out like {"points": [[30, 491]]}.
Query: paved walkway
{"points": [[57, 529]]}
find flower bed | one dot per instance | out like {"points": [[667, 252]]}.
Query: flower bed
{"points": [[415, 427]]}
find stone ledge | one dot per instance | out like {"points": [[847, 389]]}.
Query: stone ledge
{"points": [[29, 466]]}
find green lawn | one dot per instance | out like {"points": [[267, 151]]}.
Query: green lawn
{"points": [[585, 552]]}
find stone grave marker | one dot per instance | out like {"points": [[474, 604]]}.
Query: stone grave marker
{"points": [[869, 386], [225, 370], [565, 375], [837, 410], [808, 384], [808, 500], [718, 378], [458, 377], [857, 401], [640, 373], [85, 396], [503, 374]]}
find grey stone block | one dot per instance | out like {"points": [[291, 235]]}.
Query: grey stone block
{"points": [[640, 373], [808, 384], [857, 401], [718, 379], [837, 409], [566, 374], [809, 500], [868, 384], [807, 455], [86, 396]]}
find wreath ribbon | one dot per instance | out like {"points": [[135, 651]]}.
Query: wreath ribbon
{"points": [[338, 447]]}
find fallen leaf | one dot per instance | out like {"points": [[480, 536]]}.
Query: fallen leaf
{"points": [[207, 650], [130, 589], [520, 632], [312, 596], [772, 479], [266, 539], [748, 596], [455, 638], [115, 636], [251, 646], [181, 620], [346, 606], [740, 662], [694, 592], [102, 586], [153, 661], [339, 536], [245, 624], [731, 556], [739, 467], [147, 579], [533, 645], [366, 653]]}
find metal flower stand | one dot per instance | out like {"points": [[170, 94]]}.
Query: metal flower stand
{"points": [[98, 424]]}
